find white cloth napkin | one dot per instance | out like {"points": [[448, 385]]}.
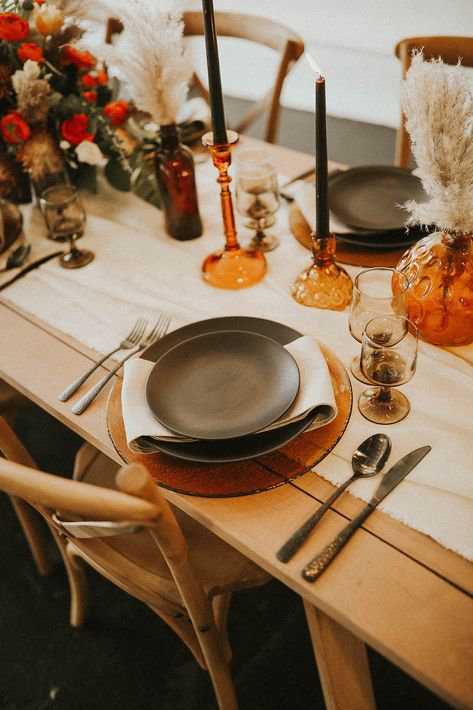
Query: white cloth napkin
{"points": [[304, 197], [315, 393]]}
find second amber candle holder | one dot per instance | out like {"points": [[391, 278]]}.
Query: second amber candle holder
{"points": [[232, 267], [324, 284]]}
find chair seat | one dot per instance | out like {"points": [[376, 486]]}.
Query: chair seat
{"points": [[216, 564]]}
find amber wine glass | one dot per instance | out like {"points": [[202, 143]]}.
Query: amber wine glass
{"points": [[376, 292], [388, 359], [65, 219], [257, 195]]}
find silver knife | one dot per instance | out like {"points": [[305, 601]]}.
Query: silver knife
{"points": [[395, 475]]}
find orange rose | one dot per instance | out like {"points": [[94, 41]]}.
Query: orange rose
{"points": [[93, 79], [89, 95], [13, 128], [30, 50], [13, 28], [75, 129], [82, 60], [116, 112], [48, 19]]}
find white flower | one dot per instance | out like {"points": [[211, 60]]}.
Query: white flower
{"points": [[22, 77], [31, 69], [64, 145], [90, 153]]}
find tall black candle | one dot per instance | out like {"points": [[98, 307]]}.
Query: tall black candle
{"points": [[213, 68], [321, 166]]}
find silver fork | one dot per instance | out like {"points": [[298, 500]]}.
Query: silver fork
{"points": [[132, 339], [157, 332]]}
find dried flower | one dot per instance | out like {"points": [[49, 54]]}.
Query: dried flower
{"points": [[151, 56], [5, 81], [40, 155], [438, 104], [48, 19]]}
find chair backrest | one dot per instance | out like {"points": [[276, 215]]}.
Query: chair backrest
{"points": [[451, 49], [262, 31]]}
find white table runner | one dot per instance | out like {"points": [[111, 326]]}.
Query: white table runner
{"points": [[139, 270]]}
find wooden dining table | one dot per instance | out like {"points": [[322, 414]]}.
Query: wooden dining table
{"points": [[393, 588]]}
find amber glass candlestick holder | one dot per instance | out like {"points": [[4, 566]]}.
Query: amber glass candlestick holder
{"points": [[324, 284], [233, 266]]}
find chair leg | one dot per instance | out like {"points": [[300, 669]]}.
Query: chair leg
{"points": [[341, 661], [35, 535], [218, 669], [75, 569]]}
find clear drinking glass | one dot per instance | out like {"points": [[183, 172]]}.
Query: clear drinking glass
{"points": [[388, 359], [65, 219], [376, 292], [257, 195]]}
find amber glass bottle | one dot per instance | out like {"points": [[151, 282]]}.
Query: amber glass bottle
{"points": [[176, 180]]}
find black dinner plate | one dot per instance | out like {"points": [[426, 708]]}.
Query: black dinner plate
{"points": [[222, 385], [370, 197], [244, 447]]}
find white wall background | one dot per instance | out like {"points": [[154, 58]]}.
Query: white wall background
{"points": [[353, 43]]}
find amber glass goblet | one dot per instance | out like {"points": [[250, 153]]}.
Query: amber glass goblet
{"points": [[65, 218], [257, 195], [376, 292], [388, 359], [232, 267]]}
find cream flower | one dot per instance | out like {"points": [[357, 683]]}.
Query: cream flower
{"points": [[48, 19], [90, 153]]}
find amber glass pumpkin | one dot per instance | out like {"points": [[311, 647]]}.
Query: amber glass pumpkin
{"points": [[439, 268]]}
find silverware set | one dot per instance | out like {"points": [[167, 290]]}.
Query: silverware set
{"points": [[136, 340], [368, 460]]}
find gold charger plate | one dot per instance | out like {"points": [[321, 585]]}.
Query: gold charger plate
{"points": [[241, 477]]}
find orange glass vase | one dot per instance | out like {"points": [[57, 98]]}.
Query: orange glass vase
{"points": [[440, 296]]}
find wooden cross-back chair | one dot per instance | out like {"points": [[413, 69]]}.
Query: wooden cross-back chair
{"points": [[133, 537], [450, 49], [259, 30]]}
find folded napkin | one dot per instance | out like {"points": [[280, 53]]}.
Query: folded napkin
{"points": [[315, 395], [304, 197]]}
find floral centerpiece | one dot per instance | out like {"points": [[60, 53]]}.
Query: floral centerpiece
{"points": [[56, 108]]}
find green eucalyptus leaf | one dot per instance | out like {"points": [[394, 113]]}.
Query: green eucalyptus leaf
{"points": [[117, 176]]}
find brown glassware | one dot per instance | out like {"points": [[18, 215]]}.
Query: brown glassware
{"points": [[439, 268], [176, 180]]}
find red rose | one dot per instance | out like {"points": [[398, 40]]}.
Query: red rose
{"points": [[75, 129], [30, 50], [89, 95], [93, 79], [116, 112], [14, 128], [13, 28], [82, 60]]}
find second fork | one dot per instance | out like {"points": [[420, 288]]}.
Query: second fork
{"points": [[159, 330]]}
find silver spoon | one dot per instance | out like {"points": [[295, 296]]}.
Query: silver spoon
{"points": [[17, 257], [368, 460]]}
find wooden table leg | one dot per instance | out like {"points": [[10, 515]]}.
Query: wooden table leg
{"points": [[342, 663]]}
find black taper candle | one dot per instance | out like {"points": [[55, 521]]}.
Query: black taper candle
{"points": [[321, 161], [213, 68]]}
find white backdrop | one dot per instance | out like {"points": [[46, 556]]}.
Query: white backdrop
{"points": [[353, 43]]}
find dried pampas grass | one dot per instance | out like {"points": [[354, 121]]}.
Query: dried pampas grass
{"points": [[437, 101], [151, 56]]}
